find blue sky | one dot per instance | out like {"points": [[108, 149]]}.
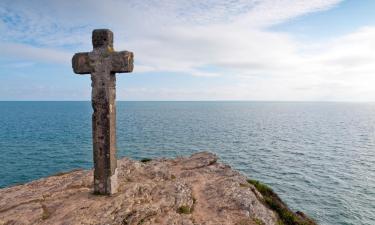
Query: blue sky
{"points": [[265, 50]]}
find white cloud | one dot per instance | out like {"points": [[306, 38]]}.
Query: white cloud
{"points": [[18, 64], [269, 12], [213, 38], [35, 54], [66, 22]]}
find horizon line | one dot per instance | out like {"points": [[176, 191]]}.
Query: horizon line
{"points": [[269, 101]]}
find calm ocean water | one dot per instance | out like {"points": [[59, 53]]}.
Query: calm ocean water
{"points": [[319, 157]]}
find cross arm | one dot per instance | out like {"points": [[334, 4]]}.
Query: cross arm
{"points": [[81, 63], [122, 62]]}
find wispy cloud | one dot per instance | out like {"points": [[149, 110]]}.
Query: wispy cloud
{"points": [[270, 12], [233, 37], [34, 54], [18, 64]]}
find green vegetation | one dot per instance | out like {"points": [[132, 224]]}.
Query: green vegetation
{"points": [[144, 160], [244, 185], [250, 221], [245, 222], [272, 200], [46, 214], [64, 173], [258, 221], [184, 210]]}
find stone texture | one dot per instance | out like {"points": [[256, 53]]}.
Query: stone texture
{"points": [[103, 62], [188, 191]]}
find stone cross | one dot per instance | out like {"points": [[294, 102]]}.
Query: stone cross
{"points": [[102, 63]]}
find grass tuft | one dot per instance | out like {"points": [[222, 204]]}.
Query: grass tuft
{"points": [[145, 160], [184, 210], [258, 221], [250, 221], [46, 214]]}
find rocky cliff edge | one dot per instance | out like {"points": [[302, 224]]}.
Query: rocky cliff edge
{"points": [[184, 191]]}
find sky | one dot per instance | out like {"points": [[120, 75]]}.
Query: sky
{"points": [[253, 50]]}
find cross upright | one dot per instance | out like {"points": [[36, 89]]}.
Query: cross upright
{"points": [[102, 63]]}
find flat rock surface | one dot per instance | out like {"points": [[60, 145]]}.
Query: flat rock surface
{"points": [[187, 191]]}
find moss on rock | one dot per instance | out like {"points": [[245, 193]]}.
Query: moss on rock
{"points": [[273, 201]]}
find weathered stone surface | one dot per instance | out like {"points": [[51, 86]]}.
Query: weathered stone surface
{"points": [[187, 191], [103, 62]]}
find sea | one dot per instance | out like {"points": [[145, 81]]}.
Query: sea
{"points": [[318, 156]]}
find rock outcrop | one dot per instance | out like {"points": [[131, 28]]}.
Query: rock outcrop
{"points": [[186, 191]]}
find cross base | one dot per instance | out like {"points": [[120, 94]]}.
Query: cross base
{"points": [[109, 187]]}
